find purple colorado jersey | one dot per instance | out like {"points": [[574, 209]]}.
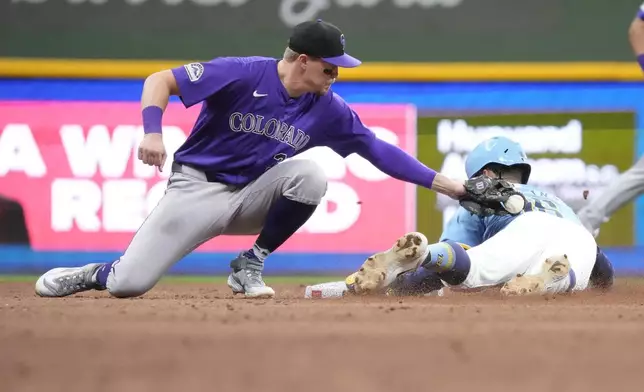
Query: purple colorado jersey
{"points": [[248, 123]]}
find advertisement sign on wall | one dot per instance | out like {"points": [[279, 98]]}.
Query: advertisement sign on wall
{"points": [[72, 167], [570, 153]]}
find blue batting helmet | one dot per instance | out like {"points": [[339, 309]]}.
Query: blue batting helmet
{"points": [[499, 150]]}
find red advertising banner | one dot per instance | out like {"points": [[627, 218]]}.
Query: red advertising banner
{"points": [[73, 168]]}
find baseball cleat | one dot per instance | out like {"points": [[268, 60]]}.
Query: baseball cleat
{"points": [[381, 269], [247, 278], [61, 282], [250, 283], [553, 271]]}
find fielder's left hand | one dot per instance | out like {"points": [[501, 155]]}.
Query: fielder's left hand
{"points": [[491, 196]]}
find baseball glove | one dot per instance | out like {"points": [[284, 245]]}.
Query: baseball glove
{"points": [[491, 196]]}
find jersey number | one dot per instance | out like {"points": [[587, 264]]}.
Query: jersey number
{"points": [[278, 158], [543, 205]]}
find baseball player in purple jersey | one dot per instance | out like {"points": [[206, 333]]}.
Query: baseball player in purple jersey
{"points": [[629, 184], [227, 177]]}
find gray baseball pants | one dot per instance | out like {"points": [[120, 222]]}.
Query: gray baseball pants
{"points": [[193, 211], [623, 190]]}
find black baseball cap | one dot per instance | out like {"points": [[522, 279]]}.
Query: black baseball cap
{"points": [[324, 40]]}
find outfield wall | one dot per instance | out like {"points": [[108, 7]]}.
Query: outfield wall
{"points": [[66, 150]]}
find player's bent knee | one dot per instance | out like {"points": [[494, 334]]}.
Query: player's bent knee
{"points": [[125, 287], [308, 184]]}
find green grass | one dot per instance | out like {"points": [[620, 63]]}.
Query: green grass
{"points": [[204, 279], [17, 278]]}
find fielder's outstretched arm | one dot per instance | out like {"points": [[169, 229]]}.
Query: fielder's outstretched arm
{"points": [[398, 164], [350, 136]]}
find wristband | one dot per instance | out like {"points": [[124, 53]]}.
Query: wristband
{"points": [[152, 119]]}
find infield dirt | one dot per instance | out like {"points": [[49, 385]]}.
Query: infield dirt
{"points": [[197, 337]]}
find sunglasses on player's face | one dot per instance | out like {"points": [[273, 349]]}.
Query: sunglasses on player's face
{"points": [[329, 69], [333, 72]]}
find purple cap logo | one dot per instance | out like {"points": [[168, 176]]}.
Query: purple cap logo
{"points": [[342, 41]]}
